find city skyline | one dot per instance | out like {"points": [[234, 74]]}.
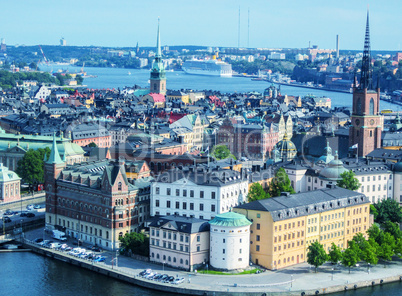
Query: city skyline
{"points": [[288, 24]]}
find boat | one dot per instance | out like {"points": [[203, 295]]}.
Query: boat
{"points": [[208, 67], [129, 73]]}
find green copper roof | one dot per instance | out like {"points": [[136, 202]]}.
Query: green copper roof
{"points": [[54, 157], [230, 219]]}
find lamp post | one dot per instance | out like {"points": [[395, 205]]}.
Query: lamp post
{"points": [[332, 274], [163, 266], [291, 280], [368, 268]]}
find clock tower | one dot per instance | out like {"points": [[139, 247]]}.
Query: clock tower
{"points": [[367, 123], [158, 73]]}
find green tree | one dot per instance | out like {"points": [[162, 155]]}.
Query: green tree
{"points": [[393, 229], [136, 243], [221, 152], [30, 167], [349, 257], [388, 210], [349, 181], [387, 247], [375, 233], [373, 211], [352, 245], [79, 79], [369, 252], [92, 144], [335, 254], [280, 183], [398, 248], [256, 192], [316, 255]]}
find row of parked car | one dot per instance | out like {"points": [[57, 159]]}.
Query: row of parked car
{"points": [[77, 252], [164, 278]]}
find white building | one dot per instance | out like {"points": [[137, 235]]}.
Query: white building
{"points": [[180, 242], [197, 192], [230, 241]]}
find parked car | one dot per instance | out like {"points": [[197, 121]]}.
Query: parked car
{"points": [[178, 281], [163, 278], [36, 207], [55, 246], [44, 242], [30, 207], [23, 214], [6, 219], [145, 272], [99, 258], [38, 240], [63, 247], [169, 279], [30, 215], [158, 277], [96, 249], [149, 276]]}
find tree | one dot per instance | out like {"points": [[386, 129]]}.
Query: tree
{"points": [[373, 211], [316, 255], [256, 192], [387, 246], [349, 181], [375, 233], [335, 254], [370, 250], [388, 210], [221, 152], [349, 257], [92, 144], [136, 243], [79, 79], [30, 167], [280, 183], [393, 229]]}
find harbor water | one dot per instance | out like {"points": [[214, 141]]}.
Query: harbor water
{"points": [[120, 78], [29, 274]]}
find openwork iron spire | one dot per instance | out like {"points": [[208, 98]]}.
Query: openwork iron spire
{"points": [[366, 79]]}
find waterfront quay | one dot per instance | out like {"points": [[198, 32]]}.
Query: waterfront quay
{"points": [[294, 280]]}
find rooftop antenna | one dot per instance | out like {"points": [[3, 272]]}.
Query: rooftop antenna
{"points": [[238, 31]]}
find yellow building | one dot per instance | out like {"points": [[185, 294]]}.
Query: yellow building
{"points": [[283, 227]]}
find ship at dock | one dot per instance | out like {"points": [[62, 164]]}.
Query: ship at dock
{"points": [[208, 67]]}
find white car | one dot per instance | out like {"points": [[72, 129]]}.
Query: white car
{"points": [[178, 281], [55, 245]]}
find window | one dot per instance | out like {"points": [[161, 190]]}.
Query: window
{"points": [[168, 191], [184, 193], [177, 192], [223, 251], [258, 226], [184, 206], [213, 195], [191, 193], [168, 203], [201, 194], [157, 190], [191, 206], [257, 248], [258, 215], [198, 238], [177, 205], [258, 238], [201, 207], [157, 202], [212, 208]]}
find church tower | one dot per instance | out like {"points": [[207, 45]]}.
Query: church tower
{"points": [[158, 74], [367, 122]]}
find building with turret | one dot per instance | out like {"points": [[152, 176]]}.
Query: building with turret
{"points": [[92, 202]]}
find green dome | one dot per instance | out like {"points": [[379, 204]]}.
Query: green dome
{"points": [[230, 219], [334, 170]]}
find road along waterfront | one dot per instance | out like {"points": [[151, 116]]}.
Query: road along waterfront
{"points": [[289, 281]]}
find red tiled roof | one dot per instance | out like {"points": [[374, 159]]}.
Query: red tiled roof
{"points": [[158, 97]]}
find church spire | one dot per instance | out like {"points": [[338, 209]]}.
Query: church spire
{"points": [[54, 157], [158, 43], [366, 79]]}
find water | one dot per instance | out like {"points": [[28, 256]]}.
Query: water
{"points": [[119, 78], [23, 274]]}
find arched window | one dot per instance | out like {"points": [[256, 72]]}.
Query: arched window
{"points": [[186, 262], [372, 106], [181, 261], [359, 106]]}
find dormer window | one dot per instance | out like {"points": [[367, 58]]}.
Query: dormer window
{"points": [[119, 186]]}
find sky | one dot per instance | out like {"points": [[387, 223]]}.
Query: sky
{"points": [[272, 24]]}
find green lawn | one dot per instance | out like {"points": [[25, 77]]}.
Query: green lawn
{"points": [[204, 271]]}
